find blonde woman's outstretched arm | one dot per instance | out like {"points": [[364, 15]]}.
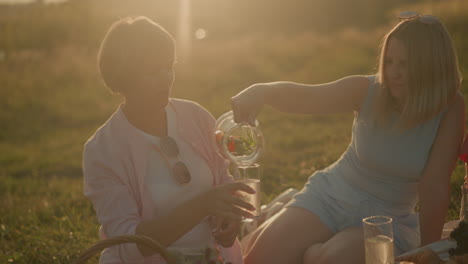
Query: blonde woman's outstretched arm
{"points": [[343, 95]]}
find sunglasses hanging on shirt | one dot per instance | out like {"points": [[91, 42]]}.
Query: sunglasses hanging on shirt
{"points": [[168, 147]]}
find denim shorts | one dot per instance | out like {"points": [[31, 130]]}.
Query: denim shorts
{"points": [[339, 205]]}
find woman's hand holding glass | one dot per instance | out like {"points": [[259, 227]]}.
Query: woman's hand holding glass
{"points": [[225, 201], [225, 230]]}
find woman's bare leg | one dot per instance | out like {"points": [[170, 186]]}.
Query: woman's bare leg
{"points": [[286, 237], [247, 241], [347, 246]]}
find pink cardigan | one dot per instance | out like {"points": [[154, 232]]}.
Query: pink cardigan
{"points": [[114, 167]]}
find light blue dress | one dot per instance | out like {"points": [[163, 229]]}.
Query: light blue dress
{"points": [[378, 174]]}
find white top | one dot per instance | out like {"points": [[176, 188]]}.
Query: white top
{"points": [[168, 194]]}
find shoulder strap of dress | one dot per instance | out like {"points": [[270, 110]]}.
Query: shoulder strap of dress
{"points": [[371, 94]]}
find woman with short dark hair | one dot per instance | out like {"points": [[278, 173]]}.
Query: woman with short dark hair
{"points": [[153, 168]]}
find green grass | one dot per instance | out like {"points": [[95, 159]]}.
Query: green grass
{"points": [[44, 220], [52, 100]]}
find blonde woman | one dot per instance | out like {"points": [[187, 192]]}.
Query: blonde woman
{"points": [[152, 168], [408, 127]]}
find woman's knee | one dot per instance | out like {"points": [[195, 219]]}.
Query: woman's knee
{"points": [[344, 247], [312, 254], [317, 254], [293, 230]]}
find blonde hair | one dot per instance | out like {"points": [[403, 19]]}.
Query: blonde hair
{"points": [[125, 47], [434, 76]]}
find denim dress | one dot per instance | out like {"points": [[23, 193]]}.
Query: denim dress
{"points": [[378, 174]]}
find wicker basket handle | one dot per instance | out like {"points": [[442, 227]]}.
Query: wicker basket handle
{"points": [[142, 240]]}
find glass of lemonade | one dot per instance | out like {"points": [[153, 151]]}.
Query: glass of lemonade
{"points": [[250, 175], [378, 240]]}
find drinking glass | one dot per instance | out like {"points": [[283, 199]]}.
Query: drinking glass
{"points": [[242, 144], [250, 175], [378, 240]]}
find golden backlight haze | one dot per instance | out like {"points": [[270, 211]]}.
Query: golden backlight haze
{"points": [[52, 98]]}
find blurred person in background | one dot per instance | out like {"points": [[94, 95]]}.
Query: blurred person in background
{"points": [[152, 168], [407, 130]]}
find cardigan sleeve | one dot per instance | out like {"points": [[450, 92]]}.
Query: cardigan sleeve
{"points": [[220, 163], [204, 123], [116, 208]]}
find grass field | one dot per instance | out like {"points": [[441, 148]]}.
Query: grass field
{"points": [[52, 100]]}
